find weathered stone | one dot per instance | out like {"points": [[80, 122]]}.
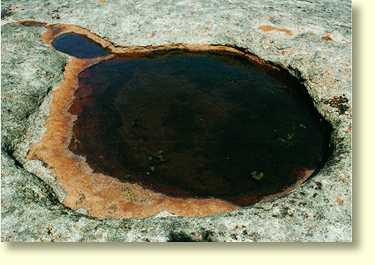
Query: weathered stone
{"points": [[311, 39]]}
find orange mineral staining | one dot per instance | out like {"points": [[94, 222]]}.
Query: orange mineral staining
{"points": [[269, 28]]}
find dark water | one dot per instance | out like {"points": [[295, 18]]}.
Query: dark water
{"points": [[78, 46], [196, 124]]}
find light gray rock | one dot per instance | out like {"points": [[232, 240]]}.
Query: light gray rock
{"points": [[320, 210]]}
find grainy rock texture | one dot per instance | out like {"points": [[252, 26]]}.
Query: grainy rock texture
{"points": [[310, 38]]}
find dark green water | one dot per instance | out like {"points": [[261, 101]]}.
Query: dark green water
{"points": [[201, 125], [78, 46]]}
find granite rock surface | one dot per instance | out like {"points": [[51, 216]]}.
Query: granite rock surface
{"points": [[312, 39]]}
